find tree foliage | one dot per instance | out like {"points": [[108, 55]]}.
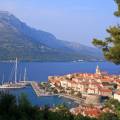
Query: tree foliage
{"points": [[117, 13], [114, 105], [21, 109], [111, 45], [108, 116]]}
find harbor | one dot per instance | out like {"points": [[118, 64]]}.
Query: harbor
{"points": [[41, 93], [34, 71], [36, 88]]}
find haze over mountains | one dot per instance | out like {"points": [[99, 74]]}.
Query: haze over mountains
{"points": [[19, 40]]}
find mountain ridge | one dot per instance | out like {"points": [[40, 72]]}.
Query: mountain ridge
{"points": [[38, 43]]}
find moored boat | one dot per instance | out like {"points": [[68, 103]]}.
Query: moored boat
{"points": [[15, 84]]}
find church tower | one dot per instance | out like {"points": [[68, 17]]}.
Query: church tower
{"points": [[98, 71]]}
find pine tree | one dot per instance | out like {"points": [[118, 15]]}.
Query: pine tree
{"points": [[111, 45], [117, 13]]}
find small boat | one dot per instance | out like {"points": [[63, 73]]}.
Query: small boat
{"points": [[12, 86]]}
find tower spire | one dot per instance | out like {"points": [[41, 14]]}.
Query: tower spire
{"points": [[98, 71]]}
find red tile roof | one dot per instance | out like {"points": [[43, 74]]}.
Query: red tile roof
{"points": [[105, 90]]}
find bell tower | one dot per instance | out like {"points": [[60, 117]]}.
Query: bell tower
{"points": [[98, 71]]}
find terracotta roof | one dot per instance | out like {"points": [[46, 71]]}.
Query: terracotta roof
{"points": [[87, 111], [93, 112], [117, 92], [105, 90]]}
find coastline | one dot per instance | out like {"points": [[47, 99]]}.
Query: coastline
{"points": [[76, 100], [38, 93], [52, 61]]}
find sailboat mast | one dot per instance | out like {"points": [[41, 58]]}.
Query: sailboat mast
{"points": [[3, 79], [25, 75], [20, 77], [16, 71]]}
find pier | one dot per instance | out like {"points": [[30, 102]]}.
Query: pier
{"points": [[36, 88], [38, 91]]}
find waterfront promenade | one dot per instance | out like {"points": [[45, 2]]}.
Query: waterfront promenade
{"points": [[75, 99], [40, 92], [36, 88]]}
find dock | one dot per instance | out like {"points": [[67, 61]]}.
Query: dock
{"points": [[38, 91], [36, 88]]}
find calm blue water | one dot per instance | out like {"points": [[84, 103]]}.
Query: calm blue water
{"points": [[41, 101], [40, 71]]}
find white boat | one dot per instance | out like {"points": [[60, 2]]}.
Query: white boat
{"points": [[15, 84], [12, 86]]}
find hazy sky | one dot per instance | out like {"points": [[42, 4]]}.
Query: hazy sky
{"points": [[71, 20]]}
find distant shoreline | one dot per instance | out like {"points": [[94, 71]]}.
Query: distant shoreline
{"points": [[11, 61]]}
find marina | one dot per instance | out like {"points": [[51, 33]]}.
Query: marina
{"points": [[14, 84], [39, 92], [41, 100], [36, 72]]}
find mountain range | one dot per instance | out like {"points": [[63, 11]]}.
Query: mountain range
{"points": [[17, 39]]}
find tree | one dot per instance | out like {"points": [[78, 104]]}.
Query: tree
{"points": [[24, 102], [21, 109], [80, 117], [8, 107], [79, 94], [26, 110], [14, 109], [111, 45], [108, 116], [117, 13], [46, 112], [114, 105]]}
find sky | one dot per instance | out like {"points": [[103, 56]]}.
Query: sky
{"points": [[71, 20]]}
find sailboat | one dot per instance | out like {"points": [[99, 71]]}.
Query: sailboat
{"points": [[15, 84], [24, 82]]}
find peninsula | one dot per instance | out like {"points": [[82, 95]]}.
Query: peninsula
{"points": [[91, 90]]}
